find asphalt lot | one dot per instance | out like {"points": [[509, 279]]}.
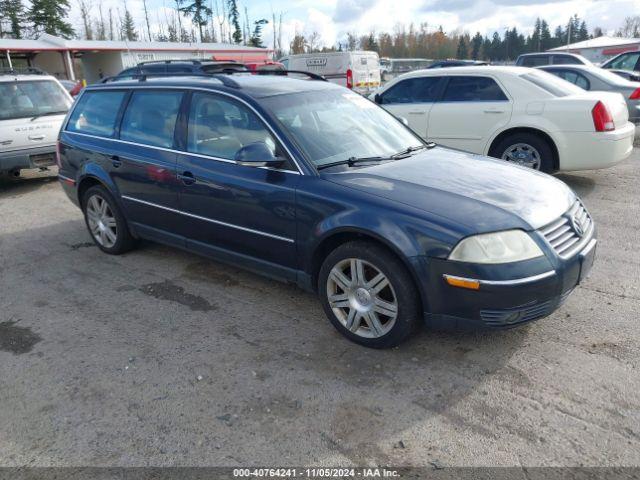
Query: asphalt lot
{"points": [[160, 357]]}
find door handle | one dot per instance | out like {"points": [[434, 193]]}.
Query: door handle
{"points": [[115, 161], [36, 137], [417, 112], [494, 111], [187, 178]]}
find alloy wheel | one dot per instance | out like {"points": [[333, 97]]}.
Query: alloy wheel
{"points": [[523, 154], [362, 298], [102, 222]]}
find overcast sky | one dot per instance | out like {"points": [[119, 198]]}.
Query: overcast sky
{"points": [[332, 19]]}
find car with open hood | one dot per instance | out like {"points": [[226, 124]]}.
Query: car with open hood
{"points": [[312, 184]]}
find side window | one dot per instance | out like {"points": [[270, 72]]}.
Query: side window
{"points": [[150, 117], [473, 89], [565, 60], [625, 62], [219, 127], [412, 90], [574, 77], [96, 113], [535, 61]]}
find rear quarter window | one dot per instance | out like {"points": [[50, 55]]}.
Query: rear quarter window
{"points": [[96, 113], [473, 89], [535, 61]]}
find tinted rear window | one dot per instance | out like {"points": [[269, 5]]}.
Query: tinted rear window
{"points": [[551, 84], [473, 89], [565, 60], [150, 118], [96, 113]]}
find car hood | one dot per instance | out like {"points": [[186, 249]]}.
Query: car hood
{"points": [[482, 193]]}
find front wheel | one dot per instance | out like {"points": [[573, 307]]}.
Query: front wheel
{"points": [[526, 150], [368, 295]]}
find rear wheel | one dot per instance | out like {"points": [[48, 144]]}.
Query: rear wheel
{"points": [[527, 150], [368, 295], [105, 221]]}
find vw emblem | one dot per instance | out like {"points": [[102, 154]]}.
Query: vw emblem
{"points": [[577, 225]]}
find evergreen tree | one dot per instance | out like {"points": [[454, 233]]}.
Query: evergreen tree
{"points": [[234, 20], [256, 35], [476, 46], [583, 32], [535, 42], [545, 36], [128, 30], [461, 51], [12, 16], [371, 44], [49, 16], [199, 12]]}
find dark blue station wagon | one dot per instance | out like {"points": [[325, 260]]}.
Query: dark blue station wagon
{"points": [[307, 182]]}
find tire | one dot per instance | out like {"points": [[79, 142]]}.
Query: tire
{"points": [[111, 219], [363, 311], [529, 143]]}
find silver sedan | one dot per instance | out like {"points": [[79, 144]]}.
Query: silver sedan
{"points": [[595, 78]]}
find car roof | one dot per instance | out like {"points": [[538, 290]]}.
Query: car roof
{"points": [[547, 54], [472, 69], [256, 86], [24, 78]]}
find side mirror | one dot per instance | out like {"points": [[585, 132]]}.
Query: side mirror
{"points": [[403, 120], [257, 154], [377, 98]]}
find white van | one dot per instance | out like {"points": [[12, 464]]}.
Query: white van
{"points": [[32, 108], [359, 71]]}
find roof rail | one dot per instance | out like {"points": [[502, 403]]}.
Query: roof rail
{"points": [[22, 71], [142, 77], [175, 60], [311, 75]]}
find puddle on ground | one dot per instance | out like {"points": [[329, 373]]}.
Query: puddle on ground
{"points": [[167, 290], [17, 340]]}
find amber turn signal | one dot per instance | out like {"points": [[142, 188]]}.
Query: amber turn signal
{"points": [[462, 282]]}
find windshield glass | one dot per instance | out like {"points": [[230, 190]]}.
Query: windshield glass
{"points": [[552, 84], [32, 98], [335, 125]]}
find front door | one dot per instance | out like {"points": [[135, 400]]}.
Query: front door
{"points": [[469, 111], [246, 211], [412, 100]]}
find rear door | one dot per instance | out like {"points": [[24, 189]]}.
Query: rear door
{"points": [[365, 68], [412, 99], [470, 110], [228, 207]]}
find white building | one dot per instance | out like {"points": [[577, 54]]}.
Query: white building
{"points": [[91, 59], [602, 48]]}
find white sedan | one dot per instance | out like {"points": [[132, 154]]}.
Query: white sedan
{"points": [[518, 114]]}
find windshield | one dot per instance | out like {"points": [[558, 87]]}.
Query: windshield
{"points": [[335, 125], [32, 98], [552, 84]]}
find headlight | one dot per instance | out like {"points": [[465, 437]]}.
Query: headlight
{"points": [[498, 247]]}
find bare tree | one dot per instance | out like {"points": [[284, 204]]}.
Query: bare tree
{"points": [[85, 15], [101, 27], [146, 17], [630, 28], [313, 42]]}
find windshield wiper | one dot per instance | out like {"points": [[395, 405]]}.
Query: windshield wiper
{"points": [[351, 161], [47, 113], [408, 151]]}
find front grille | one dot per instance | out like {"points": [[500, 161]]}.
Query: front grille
{"points": [[515, 316], [569, 232]]}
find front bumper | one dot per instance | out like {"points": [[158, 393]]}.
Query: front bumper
{"points": [[28, 158], [508, 295]]}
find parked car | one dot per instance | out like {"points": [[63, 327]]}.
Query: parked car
{"points": [[550, 58], [309, 183], [163, 67], [358, 71], [518, 114], [456, 63], [629, 61], [626, 74], [32, 108], [594, 78]]}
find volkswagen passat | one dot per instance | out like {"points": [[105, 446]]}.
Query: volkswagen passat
{"points": [[307, 182]]}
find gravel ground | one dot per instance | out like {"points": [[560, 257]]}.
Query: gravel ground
{"points": [[160, 357]]}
